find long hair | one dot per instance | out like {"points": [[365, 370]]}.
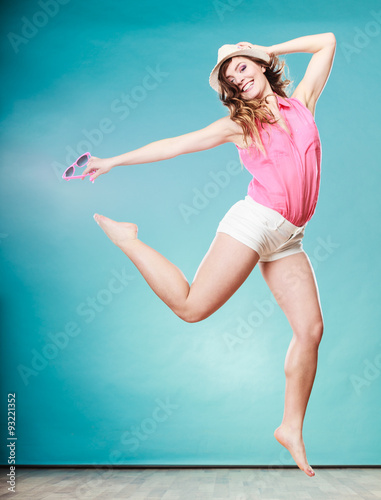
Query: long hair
{"points": [[251, 113]]}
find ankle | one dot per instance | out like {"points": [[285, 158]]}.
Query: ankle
{"points": [[294, 427], [130, 246]]}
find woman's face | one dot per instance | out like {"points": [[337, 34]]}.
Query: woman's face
{"points": [[248, 76]]}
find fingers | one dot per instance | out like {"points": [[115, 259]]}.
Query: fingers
{"points": [[90, 166], [89, 169], [84, 175], [243, 45], [94, 175], [96, 167]]}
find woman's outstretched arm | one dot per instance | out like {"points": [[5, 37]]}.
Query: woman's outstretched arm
{"points": [[219, 132]]}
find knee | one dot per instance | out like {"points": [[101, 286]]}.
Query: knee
{"points": [[317, 331], [311, 333]]}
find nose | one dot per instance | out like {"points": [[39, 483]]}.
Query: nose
{"points": [[240, 79]]}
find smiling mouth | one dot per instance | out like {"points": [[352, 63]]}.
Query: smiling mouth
{"points": [[248, 86]]}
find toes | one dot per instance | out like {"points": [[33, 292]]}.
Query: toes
{"points": [[310, 471], [104, 219], [101, 218]]}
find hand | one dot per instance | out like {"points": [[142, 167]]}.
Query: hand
{"points": [[247, 45], [97, 166]]}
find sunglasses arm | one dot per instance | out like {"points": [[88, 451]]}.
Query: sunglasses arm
{"points": [[76, 177]]}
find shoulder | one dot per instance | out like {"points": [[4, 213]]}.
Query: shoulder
{"points": [[230, 129], [228, 124]]}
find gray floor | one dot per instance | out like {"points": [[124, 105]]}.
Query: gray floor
{"points": [[192, 484]]}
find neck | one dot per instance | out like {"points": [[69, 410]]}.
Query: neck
{"points": [[271, 101]]}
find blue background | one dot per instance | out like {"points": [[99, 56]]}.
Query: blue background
{"points": [[125, 380]]}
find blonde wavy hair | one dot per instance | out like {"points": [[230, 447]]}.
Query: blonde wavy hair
{"points": [[252, 113]]}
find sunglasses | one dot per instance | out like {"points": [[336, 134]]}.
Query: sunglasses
{"points": [[80, 162]]}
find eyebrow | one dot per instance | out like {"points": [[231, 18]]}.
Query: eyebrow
{"points": [[235, 69]]}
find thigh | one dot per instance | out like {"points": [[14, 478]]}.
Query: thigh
{"points": [[222, 271], [293, 283]]}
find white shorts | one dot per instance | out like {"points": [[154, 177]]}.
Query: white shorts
{"points": [[263, 229]]}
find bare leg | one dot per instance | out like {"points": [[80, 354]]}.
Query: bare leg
{"points": [[224, 268], [293, 284]]}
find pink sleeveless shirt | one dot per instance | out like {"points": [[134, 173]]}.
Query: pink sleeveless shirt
{"points": [[288, 178]]}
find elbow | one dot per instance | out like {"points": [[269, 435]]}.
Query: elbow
{"points": [[170, 149], [332, 38]]}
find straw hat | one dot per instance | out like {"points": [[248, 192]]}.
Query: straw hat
{"points": [[227, 51]]}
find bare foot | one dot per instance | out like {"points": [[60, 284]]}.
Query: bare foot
{"points": [[119, 233], [293, 441]]}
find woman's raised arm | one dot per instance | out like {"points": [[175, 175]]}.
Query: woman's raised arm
{"points": [[323, 47], [217, 133]]}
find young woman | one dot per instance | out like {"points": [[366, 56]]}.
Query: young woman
{"points": [[278, 142]]}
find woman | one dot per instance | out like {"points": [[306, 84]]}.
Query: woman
{"points": [[279, 144]]}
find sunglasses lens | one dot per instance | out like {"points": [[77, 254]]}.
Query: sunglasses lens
{"points": [[69, 172], [82, 161]]}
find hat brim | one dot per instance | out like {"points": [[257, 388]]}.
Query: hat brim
{"points": [[213, 78]]}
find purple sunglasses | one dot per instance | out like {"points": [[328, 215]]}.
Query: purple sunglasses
{"points": [[80, 162]]}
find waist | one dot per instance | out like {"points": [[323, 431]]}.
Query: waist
{"points": [[274, 216]]}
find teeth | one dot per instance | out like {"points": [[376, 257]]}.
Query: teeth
{"points": [[247, 86]]}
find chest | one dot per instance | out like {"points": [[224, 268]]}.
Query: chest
{"points": [[294, 129], [281, 123]]}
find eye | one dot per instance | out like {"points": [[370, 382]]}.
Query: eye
{"points": [[242, 68]]}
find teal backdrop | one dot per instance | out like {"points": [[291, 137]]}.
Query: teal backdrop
{"points": [[102, 370]]}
